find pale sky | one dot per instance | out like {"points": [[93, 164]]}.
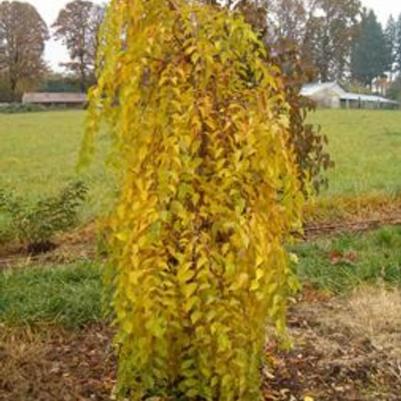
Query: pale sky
{"points": [[56, 53]]}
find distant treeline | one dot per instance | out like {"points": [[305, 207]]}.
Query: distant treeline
{"points": [[331, 39]]}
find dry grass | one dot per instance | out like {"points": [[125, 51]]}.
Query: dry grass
{"points": [[370, 315], [353, 345], [375, 313], [18, 350]]}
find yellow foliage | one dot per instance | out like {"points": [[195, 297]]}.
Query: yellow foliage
{"points": [[208, 196]]}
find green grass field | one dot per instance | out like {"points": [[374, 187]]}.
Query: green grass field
{"points": [[38, 152], [366, 147], [73, 295]]}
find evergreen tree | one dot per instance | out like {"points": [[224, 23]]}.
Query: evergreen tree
{"points": [[397, 46], [369, 57], [391, 40]]}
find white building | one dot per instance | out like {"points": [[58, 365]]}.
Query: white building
{"points": [[332, 95]]}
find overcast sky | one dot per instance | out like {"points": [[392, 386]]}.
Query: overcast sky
{"points": [[55, 53]]}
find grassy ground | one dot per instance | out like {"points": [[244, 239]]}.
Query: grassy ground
{"points": [[365, 145], [346, 347], [66, 295], [347, 261], [39, 153]]}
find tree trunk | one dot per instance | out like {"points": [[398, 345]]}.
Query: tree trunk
{"points": [[82, 82], [13, 87]]}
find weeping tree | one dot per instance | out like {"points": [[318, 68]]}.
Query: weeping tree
{"points": [[209, 192]]}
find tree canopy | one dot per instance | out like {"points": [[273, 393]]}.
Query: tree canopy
{"points": [[77, 26], [22, 42]]}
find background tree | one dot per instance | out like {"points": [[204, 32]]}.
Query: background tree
{"points": [[369, 52], [391, 44], [329, 34], [287, 20], [323, 29], [22, 42], [397, 45], [6, 95], [77, 27]]}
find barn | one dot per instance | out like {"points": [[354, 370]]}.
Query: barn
{"points": [[64, 99], [327, 94], [332, 95]]}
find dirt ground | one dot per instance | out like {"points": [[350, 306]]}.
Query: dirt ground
{"points": [[49, 364], [345, 350]]}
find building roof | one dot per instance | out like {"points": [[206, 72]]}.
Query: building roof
{"points": [[313, 88], [367, 98], [47, 97]]}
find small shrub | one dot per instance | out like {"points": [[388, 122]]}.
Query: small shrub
{"points": [[35, 225], [14, 108]]}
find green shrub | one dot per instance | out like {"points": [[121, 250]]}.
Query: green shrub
{"points": [[35, 225], [13, 108]]}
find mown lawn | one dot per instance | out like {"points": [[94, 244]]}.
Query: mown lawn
{"points": [[38, 152], [366, 147]]}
